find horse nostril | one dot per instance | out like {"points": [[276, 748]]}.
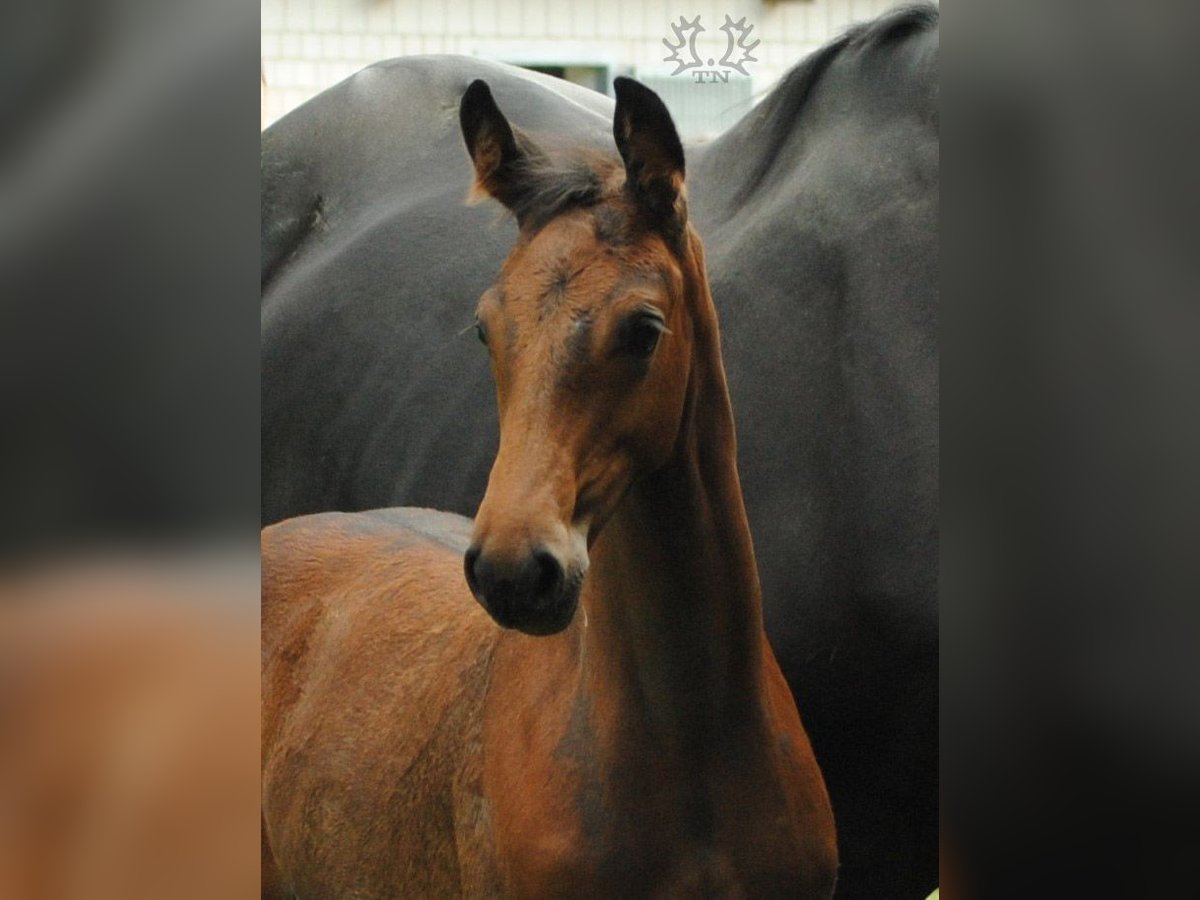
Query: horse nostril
{"points": [[550, 574], [469, 560]]}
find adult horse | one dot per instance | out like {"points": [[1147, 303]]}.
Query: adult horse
{"points": [[819, 212], [631, 734]]}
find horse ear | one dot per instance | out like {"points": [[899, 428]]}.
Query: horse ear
{"points": [[497, 152], [653, 155]]}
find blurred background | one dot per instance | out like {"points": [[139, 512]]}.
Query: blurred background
{"points": [[309, 45], [128, 450]]}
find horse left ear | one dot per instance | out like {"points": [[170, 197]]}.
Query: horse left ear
{"points": [[499, 152], [649, 144]]}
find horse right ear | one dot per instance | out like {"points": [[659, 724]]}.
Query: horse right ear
{"points": [[497, 152], [649, 144]]}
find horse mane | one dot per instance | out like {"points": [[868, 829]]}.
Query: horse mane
{"points": [[779, 111], [892, 25]]}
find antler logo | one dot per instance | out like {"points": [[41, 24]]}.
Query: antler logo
{"points": [[738, 49], [685, 33], [736, 34]]}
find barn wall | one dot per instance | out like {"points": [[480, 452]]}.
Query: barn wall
{"points": [[309, 45]]}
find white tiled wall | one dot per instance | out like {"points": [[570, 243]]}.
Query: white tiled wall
{"points": [[309, 45]]}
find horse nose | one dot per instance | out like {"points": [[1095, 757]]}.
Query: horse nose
{"points": [[512, 588]]}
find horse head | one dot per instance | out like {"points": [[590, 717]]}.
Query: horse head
{"points": [[589, 333]]}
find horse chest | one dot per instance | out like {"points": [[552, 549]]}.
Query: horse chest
{"points": [[583, 806], [625, 835]]}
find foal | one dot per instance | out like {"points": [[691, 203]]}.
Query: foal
{"points": [[644, 745]]}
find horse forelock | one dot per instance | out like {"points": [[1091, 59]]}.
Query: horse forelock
{"points": [[558, 180]]}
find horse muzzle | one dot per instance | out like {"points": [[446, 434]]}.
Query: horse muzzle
{"points": [[535, 593]]}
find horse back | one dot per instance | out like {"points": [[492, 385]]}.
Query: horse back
{"points": [[375, 664]]}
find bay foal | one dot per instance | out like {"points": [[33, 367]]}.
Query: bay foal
{"points": [[644, 745]]}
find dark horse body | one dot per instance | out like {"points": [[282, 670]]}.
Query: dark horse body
{"points": [[819, 211]]}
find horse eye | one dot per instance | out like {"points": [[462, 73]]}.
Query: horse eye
{"points": [[481, 332], [640, 335]]}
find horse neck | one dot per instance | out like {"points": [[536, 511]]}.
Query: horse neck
{"points": [[673, 625]]}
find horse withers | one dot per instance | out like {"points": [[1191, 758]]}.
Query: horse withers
{"points": [[629, 732]]}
